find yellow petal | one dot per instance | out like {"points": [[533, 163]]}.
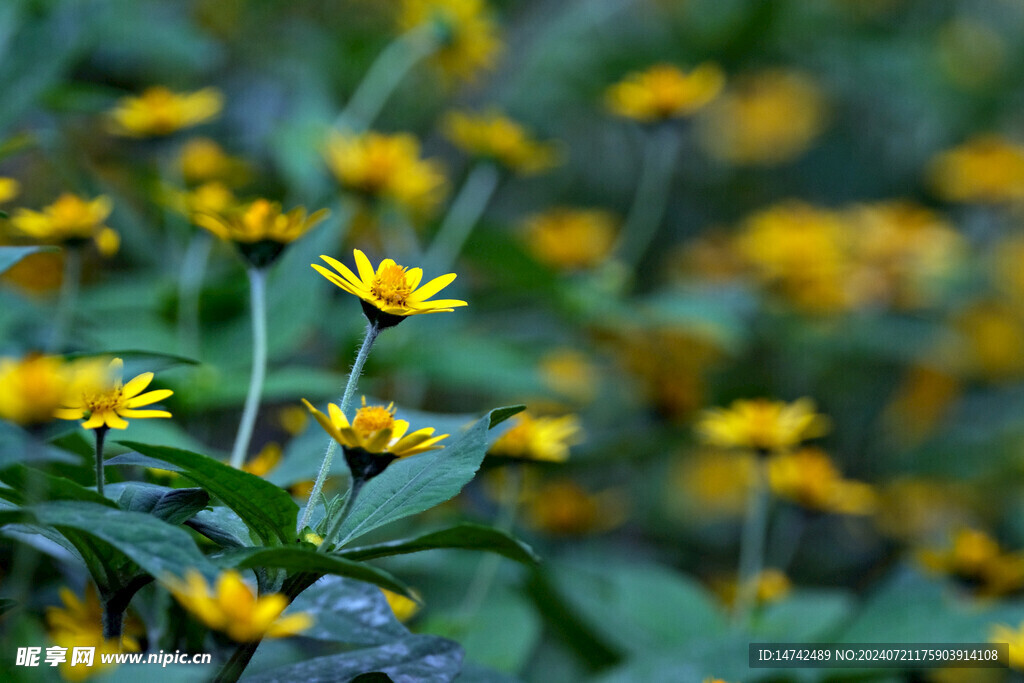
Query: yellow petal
{"points": [[364, 266], [345, 272], [124, 412], [147, 398], [137, 385], [432, 288]]}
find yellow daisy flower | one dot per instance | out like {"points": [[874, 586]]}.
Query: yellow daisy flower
{"points": [[569, 239], [203, 160], [234, 609], [493, 136], [539, 438], [79, 623], [107, 407], [810, 479], [467, 37], [564, 508], [986, 168], [260, 230], [71, 220], [762, 425], [34, 388], [665, 92], [160, 111], [392, 291], [374, 429], [402, 607], [264, 461], [1002, 633], [772, 586], [977, 560]]}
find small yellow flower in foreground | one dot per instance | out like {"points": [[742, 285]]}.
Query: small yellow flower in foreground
{"points": [[160, 111], [493, 136], [203, 160], [762, 425], [374, 429], [1002, 633], [34, 388], [108, 406], [235, 610], [79, 623], [986, 168], [392, 289], [568, 239], [387, 167], [665, 92], [468, 39], [538, 438], [9, 189], [402, 607], [810, 479], [772, 586], [976, 559], [71, 220]]}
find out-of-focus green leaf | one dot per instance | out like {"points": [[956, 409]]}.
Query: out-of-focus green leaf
{"points": [[803, 616], [11, 255], [464, 536], [173, 506], [38, 485], [300, 559], [348, 611]]}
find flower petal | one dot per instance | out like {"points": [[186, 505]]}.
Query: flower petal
{"points": [[431, 288], [364, 266], [147, 398], [125, 412], [344, 271], [137, 385]]}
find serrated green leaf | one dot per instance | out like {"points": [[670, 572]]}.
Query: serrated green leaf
{"points": [[266, 509], [9, 256], [464, 536]]}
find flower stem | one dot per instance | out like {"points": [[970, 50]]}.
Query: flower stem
{"points": [[752, 545], [68, 297], [101, 433], [350, 387], [233, 668], [651, 197], [332, 531], [383, 76], [190, 283], [463, 215], [257, 288]]}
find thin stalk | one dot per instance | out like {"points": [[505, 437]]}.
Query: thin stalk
{"points": [[332, 531], [346, 399], [233, 668], [101, 433], [68, 297], [190, 283], [752, 545], [383, 76], [465, 212], [651, 197], [113, 619], [258, 295]]}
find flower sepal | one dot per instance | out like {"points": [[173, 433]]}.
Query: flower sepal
{"points": [[260, 254], [364, 465], [379, 318]]}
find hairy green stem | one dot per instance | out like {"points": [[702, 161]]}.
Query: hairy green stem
{"points": [[335, 527], [372, 330], [101, 433], [68, 298], [465, 212], [258, 295], [752, 545], [651, 197], [190, 283]]}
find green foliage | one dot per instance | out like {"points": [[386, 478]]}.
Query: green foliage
{"points": [[462, 536]]}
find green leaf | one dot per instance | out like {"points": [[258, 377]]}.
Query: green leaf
{"points": [[266, 509], [412, 485], [464, 536], [499, 415], [297, 559], [146, 361], [9, 256], [173, 506], [348, 611], [424, 659], [45, 486], [803, 616], [222, 526]]}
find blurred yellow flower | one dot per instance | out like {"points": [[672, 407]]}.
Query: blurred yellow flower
{"points": [[70, 220], [493, 136], [266, 460], [209, 198], [388, 167], [570, 374], [538, 438], [79, 623], [37, 273], [713, 483], [564, 508], [567, 239], [976, 559], [914, 508], [9, 189], [109, 405], [402, 607], [202, 160], [664, 92], [160, 111], [392, 289], [34, 388], [802, 251], [293, 419], [764, 118], [467, 36], [986, 168], [762, 425], [374, 429], [772, 585], [260, 229], [1002, 633], [234, 609], [920, 403], [992, 336], [808, 478]]}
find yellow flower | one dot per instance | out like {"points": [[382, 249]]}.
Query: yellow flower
{"points": [[392, 291], [538, 438], [665, 92], [315, 539], [79, 623], [266, 460], [976, 559], [402, 607], [986, 168], [714, 483], [767, 118], [563, 507], [72, 220], [1015, 638], [35, 387], [209, 198], [570, 374], [109, 405], [386, 167], [569, 239], [993, 335], [916, 508], [203, 160], [493, 136], [9, 189], [159, 111], [467, 37], [293, 419], [234, 609], [374, 429], [772, 586], [810, 479], [260, 230], [762, 425]]}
